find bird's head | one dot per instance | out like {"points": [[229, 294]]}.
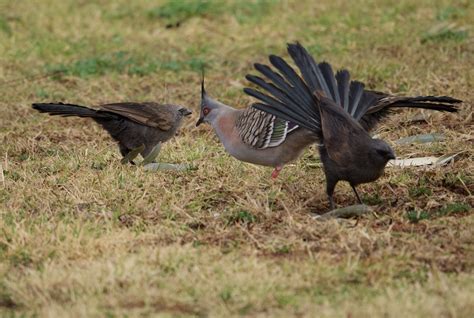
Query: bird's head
{"points": [[382, 152], [183, 111], [209, 106]]}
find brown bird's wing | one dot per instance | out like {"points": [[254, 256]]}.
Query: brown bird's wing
{"points": [[342, 135], [148, 114]]}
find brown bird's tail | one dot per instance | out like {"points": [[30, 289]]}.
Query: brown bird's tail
{"points": [[66, 110]]}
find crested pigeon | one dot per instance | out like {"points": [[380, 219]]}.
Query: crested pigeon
{"points": [[272, 139], [137, 127]]}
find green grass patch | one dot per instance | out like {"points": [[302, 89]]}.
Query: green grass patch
{"points": [[241, 216], [415, 216], [175, 12], [124, 63], [454, 208], [5, 26]]}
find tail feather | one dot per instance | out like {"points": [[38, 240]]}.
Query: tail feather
{"points": [[438, 103], [271, 88], [433, 106], [441, 103], [290, 95], [296, 94], [381, 107], [288, 112], [343, 78], [436, 99], [330, 80], [309, 69], [366, 102], [298, 87], [355, 94], [66, 110], [278, 80]]}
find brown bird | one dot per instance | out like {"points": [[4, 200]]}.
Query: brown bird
{"points": [[132, 125]]}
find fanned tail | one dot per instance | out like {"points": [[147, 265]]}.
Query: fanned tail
{"points": [[286, 95], [291, 96]]}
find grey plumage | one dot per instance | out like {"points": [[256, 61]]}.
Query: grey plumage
{"points": [[254, 136], [130, 124]]}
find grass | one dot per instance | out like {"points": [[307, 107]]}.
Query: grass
{"points": [[82, 235]]}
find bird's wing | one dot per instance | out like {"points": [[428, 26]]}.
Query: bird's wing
{"points": [[342, 135], [262, 130], [148, 114]]}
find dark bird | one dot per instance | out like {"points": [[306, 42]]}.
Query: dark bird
{"points": [[337, 111], [132, 125], [262, 138]]}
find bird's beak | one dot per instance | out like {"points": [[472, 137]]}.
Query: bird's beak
{"points": [[200, 121], [187, 112], [391, 156]]}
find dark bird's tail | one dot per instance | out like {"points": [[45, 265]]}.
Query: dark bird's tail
{"points": [[66, 110], [384, 103], [287, 89]]}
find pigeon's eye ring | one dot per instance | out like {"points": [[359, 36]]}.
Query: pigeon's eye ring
{"points": [[206, 111]]}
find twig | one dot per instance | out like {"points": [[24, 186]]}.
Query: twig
{"points": [[251, 236], [346, 212], [2, 177], [465, 187]]}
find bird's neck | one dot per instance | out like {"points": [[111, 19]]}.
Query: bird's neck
{"points": [[224, 124]]}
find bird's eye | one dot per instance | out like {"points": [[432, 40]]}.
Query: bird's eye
{"points": [[205, 111]]}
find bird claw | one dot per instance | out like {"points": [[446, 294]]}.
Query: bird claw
{"points": [[276, 172]]}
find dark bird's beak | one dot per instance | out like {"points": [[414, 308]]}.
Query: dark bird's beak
{"points": [[200, 121]]}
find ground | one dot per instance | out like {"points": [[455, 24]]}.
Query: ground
{"points": [[83, 235]]}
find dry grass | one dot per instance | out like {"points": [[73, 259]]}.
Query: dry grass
{"points": [[82, 235]]}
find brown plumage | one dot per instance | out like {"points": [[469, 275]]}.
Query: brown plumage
{"points": [[130, 124]]}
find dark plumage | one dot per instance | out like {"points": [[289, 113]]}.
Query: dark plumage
{"points": [[130, 124], [337, 110]]}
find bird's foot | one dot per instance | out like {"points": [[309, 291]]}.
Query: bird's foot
{"points": [[276, 172], [132, 154]]}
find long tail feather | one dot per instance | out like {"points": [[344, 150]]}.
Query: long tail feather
{"points": [[291, 95], [330, 80], [66, 110], [343, 77]]}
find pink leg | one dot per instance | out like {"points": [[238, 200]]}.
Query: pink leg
{"points": [[276, 171]]}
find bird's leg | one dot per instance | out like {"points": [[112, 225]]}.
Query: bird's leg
{"points": [[357, 194], [151, 155], [132, 154], [331, 202], [276, 172], [330, 185]]}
